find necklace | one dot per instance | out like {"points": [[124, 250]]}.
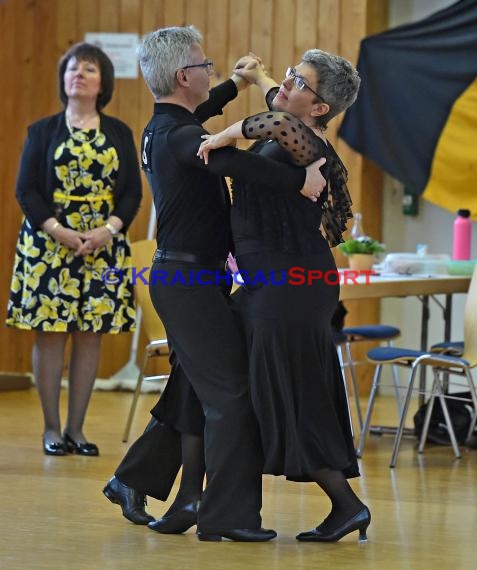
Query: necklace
{"points": [[80, 134], [79, 121]]}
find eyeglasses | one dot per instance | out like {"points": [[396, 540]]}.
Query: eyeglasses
{"points": [[299, 82], [207, 65]]}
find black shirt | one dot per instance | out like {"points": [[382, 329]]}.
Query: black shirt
{"points": [[191, 199]]}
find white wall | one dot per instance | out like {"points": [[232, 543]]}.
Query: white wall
{"points": [[432, 226]]}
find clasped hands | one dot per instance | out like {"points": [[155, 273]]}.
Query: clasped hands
{"points": [[83, 243]]}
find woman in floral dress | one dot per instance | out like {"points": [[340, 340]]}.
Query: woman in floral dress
{"points": [[79, 188]]}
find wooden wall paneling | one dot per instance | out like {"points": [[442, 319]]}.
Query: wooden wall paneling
{"points": [[353, 28], [67, 25], [239, 45], [88, 18], [328, 39], [109, 15], [329, 23], [45, 100], [19, 114], [216, 46], [283, 51], [196, 14], [129, 22], [129, 15], [108, 22], [16, 91], [174, 12], [377, 16], [306, 30], [261, 40]]}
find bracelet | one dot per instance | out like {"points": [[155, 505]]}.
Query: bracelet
{"points": [[111, 228], [54, 226]]}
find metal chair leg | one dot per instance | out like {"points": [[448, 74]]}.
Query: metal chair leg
{"points": [[402, 421], [137, 392], [395, 373], [438, 392], [473, 393], [427, 418], [343, 375], [369, 410], [354, 384], [450, 427]]}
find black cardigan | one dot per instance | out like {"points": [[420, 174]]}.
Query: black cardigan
{"points": [[36, 177]]}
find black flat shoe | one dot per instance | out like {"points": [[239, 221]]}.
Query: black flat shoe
{"points": [[131, 501], [90, 449], [360, 522], [54, 448], [239, 535], [178, 521]]}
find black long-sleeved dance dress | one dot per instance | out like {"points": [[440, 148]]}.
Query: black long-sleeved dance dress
{"points": [[291, 293]]}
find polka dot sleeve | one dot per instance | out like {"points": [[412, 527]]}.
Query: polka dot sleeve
{"points": [[293, 135]]}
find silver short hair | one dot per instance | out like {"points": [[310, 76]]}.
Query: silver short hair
{"points": [[338, 82], [162, 53]]}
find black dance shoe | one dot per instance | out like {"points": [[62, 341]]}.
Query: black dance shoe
{"points": [[54, 448], [360, 521], [90, 449], [239, 535], [131, 502], [178, 521]]}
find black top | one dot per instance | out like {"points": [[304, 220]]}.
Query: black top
{"points": [[191, 199], [264, 220], [37, 180]]}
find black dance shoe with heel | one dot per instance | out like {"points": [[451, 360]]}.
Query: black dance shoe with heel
{"points": [[57, 448], [360, 521], [177, 521], [89, 449]]}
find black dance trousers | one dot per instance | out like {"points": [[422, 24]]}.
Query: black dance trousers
{"points": [[152, 462], [210, 348]]}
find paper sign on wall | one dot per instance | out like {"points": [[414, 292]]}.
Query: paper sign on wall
{"points": [[121, 48]]}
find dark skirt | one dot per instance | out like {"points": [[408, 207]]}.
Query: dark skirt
{"points": [[296, 381]]}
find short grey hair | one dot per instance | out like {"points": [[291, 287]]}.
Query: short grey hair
{"points": [[162, 53], [338, 82]]}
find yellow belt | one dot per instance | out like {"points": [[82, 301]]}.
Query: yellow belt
{"points": [[61, 196]]}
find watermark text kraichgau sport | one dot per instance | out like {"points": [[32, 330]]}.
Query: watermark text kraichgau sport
{"points": [[294, 276]]}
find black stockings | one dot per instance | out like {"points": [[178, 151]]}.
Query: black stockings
{"points": [[344, 502], [193, 471]]}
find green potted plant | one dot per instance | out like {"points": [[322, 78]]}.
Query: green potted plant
{"points": [[361, 252]]}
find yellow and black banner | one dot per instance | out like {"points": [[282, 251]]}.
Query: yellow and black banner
{"points": [[416, 113]]}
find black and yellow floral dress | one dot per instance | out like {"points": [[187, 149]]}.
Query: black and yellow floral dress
{"points": [[54, 291]]}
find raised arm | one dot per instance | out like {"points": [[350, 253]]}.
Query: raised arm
{"points": [[249, 166], [226, 91], [232, 162], [292, 134]]}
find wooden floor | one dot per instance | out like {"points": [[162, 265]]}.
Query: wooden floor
{"points": [[53, 514]]}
